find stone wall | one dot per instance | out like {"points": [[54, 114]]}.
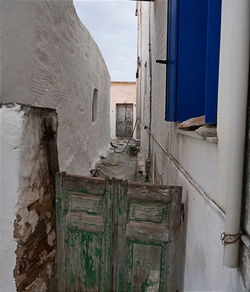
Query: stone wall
{"points": [[49, 59], [28, 197]]}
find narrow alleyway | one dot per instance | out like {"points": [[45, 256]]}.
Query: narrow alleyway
{"points": [[117, 164]]}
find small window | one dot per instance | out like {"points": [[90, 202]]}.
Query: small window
{"points": [[94, 105]]}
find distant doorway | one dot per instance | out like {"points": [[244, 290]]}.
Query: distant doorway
{"points": [[124, 119]]}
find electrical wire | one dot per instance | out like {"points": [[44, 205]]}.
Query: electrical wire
{"points": [[121, 152]]}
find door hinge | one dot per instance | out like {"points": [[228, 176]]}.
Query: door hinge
{"points": [[162, 62]]}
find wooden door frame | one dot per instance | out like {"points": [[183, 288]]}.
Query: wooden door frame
{"points": [[117, 104]]}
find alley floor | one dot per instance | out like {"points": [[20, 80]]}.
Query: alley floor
{"points": [[117, 164]]}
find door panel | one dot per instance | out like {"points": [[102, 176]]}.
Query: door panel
{"points": [[128, 119], [116, 236], [120, 120], [146, 267], [124, 120], [85, 263], [84, 234], [147, 241]]}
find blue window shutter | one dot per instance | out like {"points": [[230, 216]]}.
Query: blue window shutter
{"points": [[213, 54], [172, 60], [191, 59], [193, 55]]}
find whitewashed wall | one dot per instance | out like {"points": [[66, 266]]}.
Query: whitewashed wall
{"points": [[121, 92], [10, 134], [201, 263], [27, 211], [49, 59]]}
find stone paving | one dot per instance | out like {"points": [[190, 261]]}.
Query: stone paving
{"points": [[122, 166]]}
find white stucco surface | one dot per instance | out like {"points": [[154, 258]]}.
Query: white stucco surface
{"points": [[11, 130], [201, 267], [49, 59], [26, 200], [122, 93]]}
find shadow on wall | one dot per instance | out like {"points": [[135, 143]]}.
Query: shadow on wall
{"points": [[183, 241], [53, 61]]}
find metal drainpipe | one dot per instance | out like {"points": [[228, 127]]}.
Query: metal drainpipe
{"points": [[231, 237], [150, 94], [239, 61]]}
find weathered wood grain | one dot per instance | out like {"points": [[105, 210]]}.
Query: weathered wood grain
{"points": [[146, 231], [81, 221], [84, 217], [154, 193], [146, 234], [117, 236], [146, 268], [87, 185], [140, 211], [89, 204], [84, 265]]}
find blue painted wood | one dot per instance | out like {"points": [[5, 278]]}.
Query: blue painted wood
{"points": [[191, 59], [193, 54], [213, 54], [172, 46]]}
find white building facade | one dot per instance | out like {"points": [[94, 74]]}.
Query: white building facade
{"points": [[122, 98], [49, 59], [210, 169], [51, 69]]}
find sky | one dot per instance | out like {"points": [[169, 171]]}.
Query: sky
{"points": [[113, 25]]}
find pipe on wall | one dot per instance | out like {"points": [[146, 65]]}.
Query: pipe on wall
{"points": [[235, 53], [148, 161], [150, 78]]}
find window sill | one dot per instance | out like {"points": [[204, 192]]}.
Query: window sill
{"points": [[193, 134]]}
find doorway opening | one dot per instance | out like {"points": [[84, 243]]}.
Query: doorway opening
{"points": [[124, 119]]}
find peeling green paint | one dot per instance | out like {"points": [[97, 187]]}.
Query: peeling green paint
{"points": [[85, 261], [146, 284], [89, 268], [88, 253], [85, 190]]}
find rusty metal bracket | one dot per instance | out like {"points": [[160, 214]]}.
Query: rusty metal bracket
{"points": [[229, 238], [165, 62]]}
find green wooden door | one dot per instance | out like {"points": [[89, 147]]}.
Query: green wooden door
{"points": [[115, 236], [84, 217], [148, 236]]}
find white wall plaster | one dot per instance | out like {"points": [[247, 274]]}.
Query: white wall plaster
{"points": [[11, 130], [52, 61], [51, 237], [201, 252], [26, 200], [36, 199], [121, 92]]}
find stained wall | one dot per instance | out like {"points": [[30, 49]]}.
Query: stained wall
{"points": [[28, 225]]}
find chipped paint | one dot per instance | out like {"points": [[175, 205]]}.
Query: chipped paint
{"points": [[35, 255], [27, 199], [137, 249], [51, 238]]}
